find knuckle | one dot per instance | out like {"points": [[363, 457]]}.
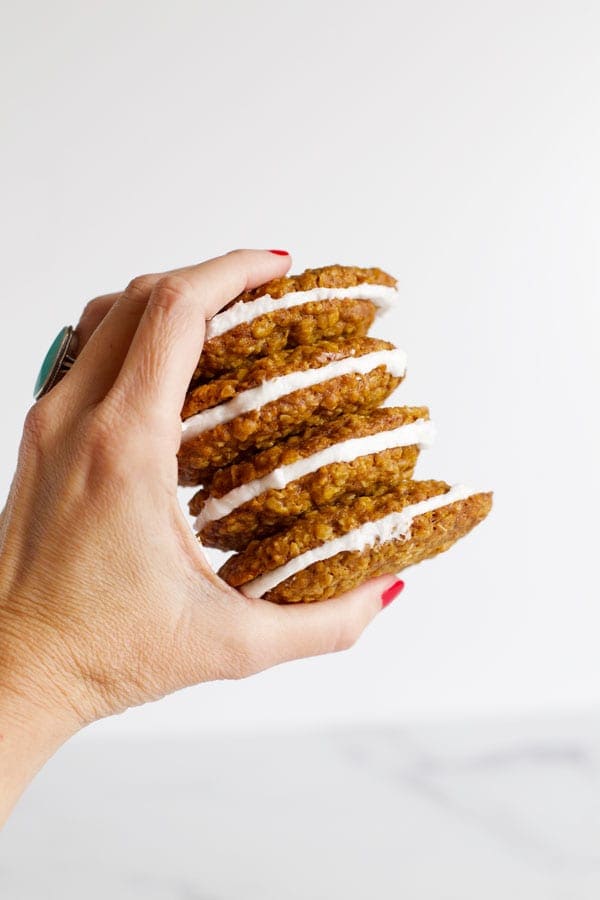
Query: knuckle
{"points": [[92, 307], [91, 316], [171, 292], [39, 423], [139, 288]]}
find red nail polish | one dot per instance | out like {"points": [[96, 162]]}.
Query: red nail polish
{"points": [[279, 252], [391, 593]]}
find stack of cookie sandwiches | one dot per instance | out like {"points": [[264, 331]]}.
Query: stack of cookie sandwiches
{"points": [[299, 467]]}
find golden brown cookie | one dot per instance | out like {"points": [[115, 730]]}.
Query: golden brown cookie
{"points": [[274, 397], [332, 550], [328, 303], [352, 456]]}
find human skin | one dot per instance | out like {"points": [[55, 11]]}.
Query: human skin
{"points": [[106, 599]]}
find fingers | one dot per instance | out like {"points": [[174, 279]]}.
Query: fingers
{"points": [[109, 324], [166, 346], [91, 317], [101, 357], [300, 630]]}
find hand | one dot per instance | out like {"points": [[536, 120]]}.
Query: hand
{"points": [[106, 599]]}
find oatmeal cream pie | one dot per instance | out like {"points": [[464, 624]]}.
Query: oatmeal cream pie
{"points": [[320, 304], [329, 551], [354, 455], [268, 399]]}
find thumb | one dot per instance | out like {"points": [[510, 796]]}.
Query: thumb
{"points": [[299, 630]]}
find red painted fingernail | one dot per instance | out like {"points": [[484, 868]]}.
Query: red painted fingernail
{"points": [[391, 593], [279, 252]]}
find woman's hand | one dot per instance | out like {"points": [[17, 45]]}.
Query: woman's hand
{"points": [[106, 600]]}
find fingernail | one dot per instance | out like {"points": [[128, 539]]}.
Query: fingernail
{"points": [[279, 252], [391, 593]]}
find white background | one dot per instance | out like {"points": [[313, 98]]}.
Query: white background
{"points": [[455, 145]]}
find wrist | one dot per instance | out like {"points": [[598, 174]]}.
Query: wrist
{"points": [[35, 716], [34, 694], [30, 733]]}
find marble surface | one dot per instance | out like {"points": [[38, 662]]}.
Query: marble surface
{"points": [[490, 810]]}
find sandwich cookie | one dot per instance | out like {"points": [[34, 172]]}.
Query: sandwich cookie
{"points": [[273, 397], [354, 455], [332, 550], [320, 304]]}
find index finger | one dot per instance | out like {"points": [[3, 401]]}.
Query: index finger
{"points": [[168, 340]]}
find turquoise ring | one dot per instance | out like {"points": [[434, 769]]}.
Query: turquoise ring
{"points": [[57, 361]]}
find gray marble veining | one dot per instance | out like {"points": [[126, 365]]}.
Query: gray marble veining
{"points": [[483, 809]]}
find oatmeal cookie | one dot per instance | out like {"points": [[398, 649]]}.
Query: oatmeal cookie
{"points": [[320, 304], [355, 455], [281, 395], [331, 550]]}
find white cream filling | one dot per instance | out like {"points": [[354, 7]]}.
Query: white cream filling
{"points": [[381, 295], [389, 528], [421, 432], [274, 388]]}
